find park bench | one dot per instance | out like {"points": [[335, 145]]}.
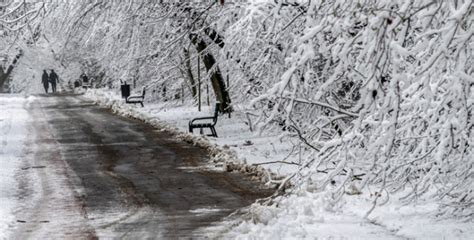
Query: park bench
{"points": [[206, 122], [86, 82], [134, 99]]}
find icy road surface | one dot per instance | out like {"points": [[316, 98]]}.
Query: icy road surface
{"points": [[87, 173]]}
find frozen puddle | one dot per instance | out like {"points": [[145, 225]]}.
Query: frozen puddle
{"points": [[200, 168], [206, 210]]}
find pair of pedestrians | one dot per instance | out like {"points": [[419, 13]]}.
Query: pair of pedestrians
{"points": [[47, 79]]}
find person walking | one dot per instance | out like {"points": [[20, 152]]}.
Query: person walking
{"points": [[53, 79], [45, 80]]}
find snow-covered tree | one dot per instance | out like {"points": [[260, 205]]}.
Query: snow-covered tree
{"points": [[16, 26], [381, 92]]}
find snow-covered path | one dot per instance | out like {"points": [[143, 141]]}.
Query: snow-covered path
{"points": [[13, 121], [82, 172]]}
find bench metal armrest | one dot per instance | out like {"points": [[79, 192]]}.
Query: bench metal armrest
{"points": [[201, 118], [134, 97]]}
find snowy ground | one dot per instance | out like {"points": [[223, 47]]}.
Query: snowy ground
{"points": [[302, 214], [13, 133], [308, 215]]}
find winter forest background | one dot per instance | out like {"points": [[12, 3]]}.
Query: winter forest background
{"points": [[372, 94]]}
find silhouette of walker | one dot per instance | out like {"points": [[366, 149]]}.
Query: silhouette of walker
{"points": [[45, 80], [53, 79]]}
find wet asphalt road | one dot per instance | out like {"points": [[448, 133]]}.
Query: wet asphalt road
{"points": [[91, 174]]}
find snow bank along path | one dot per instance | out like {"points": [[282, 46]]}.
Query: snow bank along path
{"points": [[13, 132]]}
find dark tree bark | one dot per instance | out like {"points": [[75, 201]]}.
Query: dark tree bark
{"points": [[4, 75], [212, 34], [218, 83]]}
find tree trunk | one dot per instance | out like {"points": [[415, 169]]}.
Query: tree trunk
{"points": [[189, 73], [216, 38], [217, 81], [4, 76]]}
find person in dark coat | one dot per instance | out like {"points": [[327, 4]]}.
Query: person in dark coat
{"points": [[85, 79], [53, 79], [45, 81]]}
